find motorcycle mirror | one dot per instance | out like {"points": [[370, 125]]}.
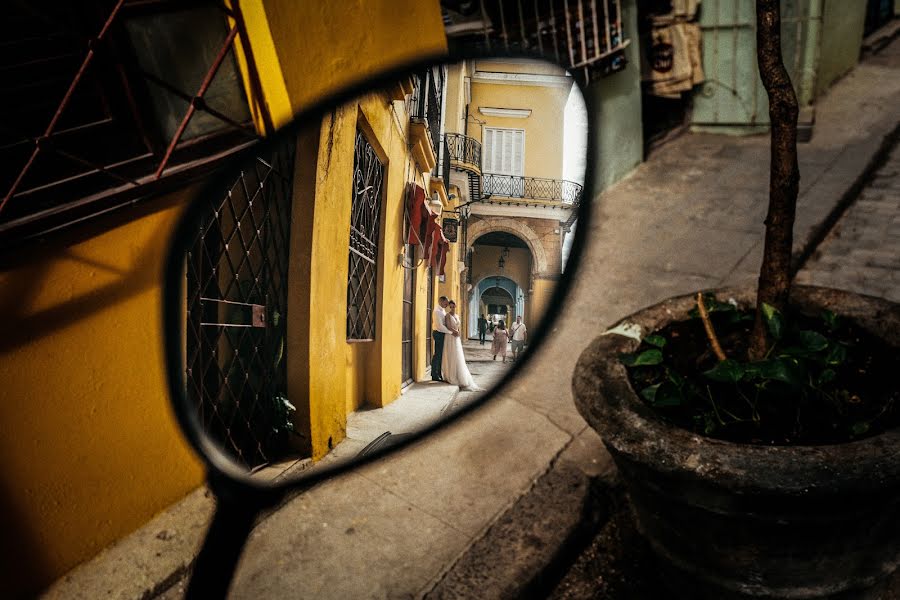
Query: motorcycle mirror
{"points": [[422, 227]]}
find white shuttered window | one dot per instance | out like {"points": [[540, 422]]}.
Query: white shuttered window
{"points": [[504, 151]]}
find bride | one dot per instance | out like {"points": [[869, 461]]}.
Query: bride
{"points": [[453, 365]]}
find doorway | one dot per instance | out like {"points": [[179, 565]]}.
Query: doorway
{"points": [[408, 315]]}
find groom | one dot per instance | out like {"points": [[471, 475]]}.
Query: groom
{"points": [[437, 322]]}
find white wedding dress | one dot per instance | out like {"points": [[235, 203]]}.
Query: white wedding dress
{"points": [[453, 364]]}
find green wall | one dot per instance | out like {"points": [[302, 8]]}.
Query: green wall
{"points": [[615, 105], [842, 32]]}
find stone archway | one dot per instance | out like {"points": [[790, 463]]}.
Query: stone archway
{"points": [[517, 228], [509, 288]]}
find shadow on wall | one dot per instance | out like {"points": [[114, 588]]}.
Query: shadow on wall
{"points": [[22, 326], [83, 411], [24, 568]]}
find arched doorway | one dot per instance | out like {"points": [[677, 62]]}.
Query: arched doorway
{"points": [[502, 267], [496, 296]]}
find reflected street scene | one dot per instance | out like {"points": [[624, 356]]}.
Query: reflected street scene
{"points": [[385, 266]]}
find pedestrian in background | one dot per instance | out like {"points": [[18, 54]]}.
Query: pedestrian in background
{"points": [[482, 328], [501, 338]]}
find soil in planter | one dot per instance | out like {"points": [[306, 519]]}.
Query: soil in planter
{"points": [[825, 381]]}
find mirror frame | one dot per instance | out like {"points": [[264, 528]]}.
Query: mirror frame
{"points": [[223, 474]]}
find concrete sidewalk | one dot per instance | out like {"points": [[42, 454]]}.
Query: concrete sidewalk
{"points": [[689, 218]]}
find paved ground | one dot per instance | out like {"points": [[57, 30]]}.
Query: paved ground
{"points": [[690, 218], [862, 252]]}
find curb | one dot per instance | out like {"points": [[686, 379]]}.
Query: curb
{"points": [[819, 232], [529, 548]]}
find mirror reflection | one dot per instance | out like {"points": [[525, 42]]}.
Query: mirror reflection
{"points": [[384, 267]]}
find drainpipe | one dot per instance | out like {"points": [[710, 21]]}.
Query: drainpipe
{"points": [[811, 52], [809, 70]]}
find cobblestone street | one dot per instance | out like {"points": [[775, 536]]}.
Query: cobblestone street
{"points": [[862, 251]]}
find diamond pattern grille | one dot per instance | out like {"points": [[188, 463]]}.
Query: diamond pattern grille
{"points": [[236, 310], [365, 221]]}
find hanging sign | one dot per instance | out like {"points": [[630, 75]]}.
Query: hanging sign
{"points": [[450, 227]]}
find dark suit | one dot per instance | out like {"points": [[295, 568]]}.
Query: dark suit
{"points": [[437, 356], [482, 329]]}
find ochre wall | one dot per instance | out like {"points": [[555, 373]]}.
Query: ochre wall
{"points": [[455, 102], [543, 128], [325, 45], [343, 376], [89, 450]]}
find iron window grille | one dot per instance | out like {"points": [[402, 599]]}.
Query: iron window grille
{"points": [[106, 102], [585, 36], [365, 227], [237, 276]]}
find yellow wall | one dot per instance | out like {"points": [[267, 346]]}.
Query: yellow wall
{"points": [[343, 376], [543, 128], [455, 102], [325, 45], [88, 448]]}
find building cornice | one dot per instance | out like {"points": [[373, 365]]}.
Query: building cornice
{"points": [[518, 208], [509, 113], [522, 79]]}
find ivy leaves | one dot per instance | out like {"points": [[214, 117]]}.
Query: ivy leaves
{"points": [[800, 383], [642, 359]]}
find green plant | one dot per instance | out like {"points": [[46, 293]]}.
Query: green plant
{"points": [[822, 380], [282, 413]]}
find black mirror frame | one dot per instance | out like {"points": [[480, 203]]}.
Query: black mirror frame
{"points": [[224, 477]]}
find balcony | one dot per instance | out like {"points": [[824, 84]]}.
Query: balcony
{"points": [[464, 152], [532, 188], [425, 116]]}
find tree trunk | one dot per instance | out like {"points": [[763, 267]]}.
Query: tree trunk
{"points": [[784, 179]]}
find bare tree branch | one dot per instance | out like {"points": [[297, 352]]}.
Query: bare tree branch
{"points": [[774, 275]]}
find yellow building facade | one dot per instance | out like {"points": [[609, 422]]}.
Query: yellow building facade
{"points": [[507, 117], [333, 371], [89, 448]]}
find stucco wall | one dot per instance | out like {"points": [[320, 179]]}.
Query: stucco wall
{"points": [[334, 376], [543, 128], [326, 45], [89, 448], [614, 104], [842, 32]]}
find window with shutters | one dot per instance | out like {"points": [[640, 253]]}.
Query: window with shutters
{"points": [[503, 151]]}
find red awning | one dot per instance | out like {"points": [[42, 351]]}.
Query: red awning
{"points": [[432, 237], [442, 245], [445, 247], [418, 212]]}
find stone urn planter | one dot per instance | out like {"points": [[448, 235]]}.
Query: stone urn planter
{"points": [[731, 520]]}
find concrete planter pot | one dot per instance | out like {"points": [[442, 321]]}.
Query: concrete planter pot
{"points": [[742, 521]]}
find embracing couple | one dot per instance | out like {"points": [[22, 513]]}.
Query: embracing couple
{"points": [[448, 363]]}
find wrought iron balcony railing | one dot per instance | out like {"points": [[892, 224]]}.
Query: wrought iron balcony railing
{"points": [[465, 151], [533, 188], [425, 102]]}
